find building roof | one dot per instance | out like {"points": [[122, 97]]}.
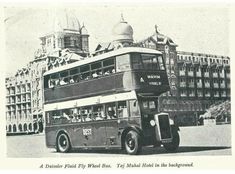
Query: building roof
{"points": [[159, 38], [66, 20], [122, 31]]}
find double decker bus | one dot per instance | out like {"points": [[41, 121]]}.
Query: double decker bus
{"points": [[109, 101]]}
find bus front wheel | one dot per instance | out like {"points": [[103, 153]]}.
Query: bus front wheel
{"points": [[132, 143], [63, 143], [173, 146]]}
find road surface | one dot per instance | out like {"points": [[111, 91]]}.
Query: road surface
{"points": [[198, 140]]}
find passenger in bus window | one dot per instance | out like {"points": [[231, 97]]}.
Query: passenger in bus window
{"points": [[62, 81], [99, 116], [107, 72], [86, 78], [100, 73], [65, 115], [74, 119], [88, 118], [79, 119], [95, 75], [51, 83], [76, 78], [57, 82], [71, 80], [111, 113]]}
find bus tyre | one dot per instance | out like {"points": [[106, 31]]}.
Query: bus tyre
{"points": [[173, 146], [63, 144], [132, 143]]}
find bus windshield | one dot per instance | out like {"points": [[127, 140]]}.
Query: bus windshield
{"points": [[147, 61], [149, 105]]}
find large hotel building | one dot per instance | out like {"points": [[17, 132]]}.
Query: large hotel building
{"points": [[197, 80]]}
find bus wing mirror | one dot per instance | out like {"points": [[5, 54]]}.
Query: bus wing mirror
{"points": [[134, 104]]}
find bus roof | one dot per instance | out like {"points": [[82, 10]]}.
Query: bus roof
{"points": [[103, 56]]}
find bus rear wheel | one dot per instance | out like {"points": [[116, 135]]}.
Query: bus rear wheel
{"points": [[132, 143], [173, 146], [63, 144]]}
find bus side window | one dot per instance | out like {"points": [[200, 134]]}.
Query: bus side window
{"points": [[134, 108], [110, 111], [122, 109], [86, 114], [55, 117], [66, 115], [98, 112]]}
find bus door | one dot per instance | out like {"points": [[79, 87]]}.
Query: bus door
{"points": [[111, 124]]}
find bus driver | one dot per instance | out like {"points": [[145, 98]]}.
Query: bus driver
{"points": [[111, 113]]}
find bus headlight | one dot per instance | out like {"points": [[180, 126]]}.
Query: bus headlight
{"points": [[152, 123], [171, 121]]}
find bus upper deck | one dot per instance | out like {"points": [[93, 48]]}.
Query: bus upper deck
{"points": [[122, 70]]}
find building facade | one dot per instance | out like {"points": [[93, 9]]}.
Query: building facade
{"points": [[24, 91], [197, 80]]}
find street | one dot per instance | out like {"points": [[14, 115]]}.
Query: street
{"points": [[198, 140]]}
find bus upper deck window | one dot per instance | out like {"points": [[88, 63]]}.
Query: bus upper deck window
{"points": [[123, 62], [136, 61]]}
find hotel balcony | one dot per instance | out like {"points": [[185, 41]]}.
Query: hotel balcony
{"points": [[222, 85], [228, 75], [204, 63], [215, 74], [207, 95], [12, 92], [216, 85], [206, 74], [199, 95], [183, 95], [191, 85], [190, 73], [221, 75], [198, 74], [18, 101], [199, 85], [192, 95], [223, 95], [207, 85], [182, 84], [216, 95], [23, 91], [182, 73]]}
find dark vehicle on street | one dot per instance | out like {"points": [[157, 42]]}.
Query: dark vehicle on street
{"points": [[109, 101]]}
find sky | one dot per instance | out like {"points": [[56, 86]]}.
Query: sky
{"points": [[194, 28]]}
